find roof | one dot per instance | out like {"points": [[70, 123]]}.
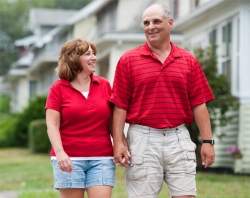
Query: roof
{"points": [[49, 17], [48, 37], [26, 41], [88, 10], [25, 60], [186, 21]]}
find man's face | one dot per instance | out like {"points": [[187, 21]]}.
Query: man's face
{"points": [[157, 27]]}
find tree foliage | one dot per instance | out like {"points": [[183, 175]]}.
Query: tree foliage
{"points": [[4, 103], [34, 110], [225, 103], [13, 23]]}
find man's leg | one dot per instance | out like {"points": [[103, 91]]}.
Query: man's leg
{"points": [[144, 177], [180, 164]]}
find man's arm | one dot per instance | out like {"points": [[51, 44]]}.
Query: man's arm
{"points": [[121, 153], [202, 119]]}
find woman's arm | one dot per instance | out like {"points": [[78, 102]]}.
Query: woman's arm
{"points": [[53, 125]]}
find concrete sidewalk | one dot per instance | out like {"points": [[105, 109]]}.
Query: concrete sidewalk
{"points": [[8, 194]]}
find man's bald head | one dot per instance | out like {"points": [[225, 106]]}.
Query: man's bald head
{"points": [[157, 8]]}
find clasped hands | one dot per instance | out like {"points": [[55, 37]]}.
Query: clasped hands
{"points": [[122, 155]]}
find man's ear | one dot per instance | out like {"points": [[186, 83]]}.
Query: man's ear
{"points": [[171, 21]]}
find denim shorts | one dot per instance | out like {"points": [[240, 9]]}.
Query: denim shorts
{"points": [[85, 174]]}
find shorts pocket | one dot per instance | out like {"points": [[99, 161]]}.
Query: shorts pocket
{"points": [[136, 171], [188, 148], [137, 143]]}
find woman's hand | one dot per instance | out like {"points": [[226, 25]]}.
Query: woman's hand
{"points": [[63, 161]]}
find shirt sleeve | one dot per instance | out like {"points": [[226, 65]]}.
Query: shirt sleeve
{"points": [[120, 92], [53, 100], [199, 90]]}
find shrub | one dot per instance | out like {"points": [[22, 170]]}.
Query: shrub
{"points": [[35, 110], [8, 130], [4, 104], [38, 138], [224, 103]]}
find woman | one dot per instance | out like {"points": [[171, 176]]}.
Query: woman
{"points": [[78, 115]]}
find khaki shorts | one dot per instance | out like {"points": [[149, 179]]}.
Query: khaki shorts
{"points": [[159, 155]]}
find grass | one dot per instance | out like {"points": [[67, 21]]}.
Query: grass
{"points": [[31, 176]]}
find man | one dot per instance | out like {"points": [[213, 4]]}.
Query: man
{"points": [[158, 88]]}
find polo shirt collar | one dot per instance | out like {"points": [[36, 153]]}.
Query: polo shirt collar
{"points": [[175, 52], [94, 79]]}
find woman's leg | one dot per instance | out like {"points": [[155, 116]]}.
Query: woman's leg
{"points": [[99, 191], [71, 193], [100, 178]]}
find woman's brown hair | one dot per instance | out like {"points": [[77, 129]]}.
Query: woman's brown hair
{"points": [[69, 60]]}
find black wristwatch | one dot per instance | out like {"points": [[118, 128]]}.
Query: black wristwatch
{"points": [[207, 142]]}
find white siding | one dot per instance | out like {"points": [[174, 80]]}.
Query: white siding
{"points": [[85, 29], [20, 96], [243, 165], [184, 7], [244, 69], [225, 137], [44, 80], [128, 12]]}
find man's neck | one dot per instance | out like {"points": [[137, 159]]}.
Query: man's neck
{"points": [[161, 51]]}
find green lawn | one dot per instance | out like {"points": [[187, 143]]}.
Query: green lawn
{"points": [[31, 176]]}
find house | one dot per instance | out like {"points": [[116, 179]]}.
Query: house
{"points": [[198, 23], [224, 23], [4, 87], [22, 83], [103, 22]]}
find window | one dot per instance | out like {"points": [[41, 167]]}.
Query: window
{"points": [[33, 86], [227, 37], [226, 49], [213, 39], [103, 66], [174, 6], [106, 19], [226, 69], [196, 3]]}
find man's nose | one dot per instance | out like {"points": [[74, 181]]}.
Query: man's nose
{"points": [[151, 25]]}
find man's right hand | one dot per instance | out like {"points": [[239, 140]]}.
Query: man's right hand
{"points": [[121, 153]]}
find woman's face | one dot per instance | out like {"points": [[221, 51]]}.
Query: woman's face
{"points": [[88, 61]]}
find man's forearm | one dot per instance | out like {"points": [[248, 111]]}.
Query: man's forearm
{"points": [[202, 119], [119, 117]]}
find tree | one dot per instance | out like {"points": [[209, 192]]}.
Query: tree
{"points": [[10, 30], [76, 4], [4, 104], [13, 23], [224, 102]]}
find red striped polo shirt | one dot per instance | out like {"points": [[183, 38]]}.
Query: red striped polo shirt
{"points": [[84, 122], [159, 95]]}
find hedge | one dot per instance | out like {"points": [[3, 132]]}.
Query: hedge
{"points": [[38, 140]]}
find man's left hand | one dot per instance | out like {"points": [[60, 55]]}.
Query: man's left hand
{"points": [[207, 155]]}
